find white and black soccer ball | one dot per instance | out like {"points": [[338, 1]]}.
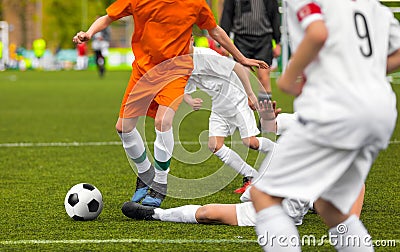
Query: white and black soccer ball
{"points": [[83, 202]]}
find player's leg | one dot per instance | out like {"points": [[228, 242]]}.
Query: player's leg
{"points": [[183, 214], [272, 221], [163, 148], [220, 127], [135, 150], [263, 51], [350, 233], [101, 61], [340, 206], [230, 157], [245, 122], [259, 143], [357, 207], [217, 214], [265, 82], [208, 214]]}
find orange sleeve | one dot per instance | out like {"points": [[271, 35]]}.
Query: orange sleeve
{"points": [[121, 8], [206, 19]]}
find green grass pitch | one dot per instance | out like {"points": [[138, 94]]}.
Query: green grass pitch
{"points": [[57, 130]]}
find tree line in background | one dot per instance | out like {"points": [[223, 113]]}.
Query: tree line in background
{"points": [[61, 19]]}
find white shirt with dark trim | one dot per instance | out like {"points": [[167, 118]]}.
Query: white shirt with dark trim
{"points": [[347, 96]]}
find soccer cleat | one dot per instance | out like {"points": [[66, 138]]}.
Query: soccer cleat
{"points": [[136, 211], [246, 183], [153, 198], [141, 191]]}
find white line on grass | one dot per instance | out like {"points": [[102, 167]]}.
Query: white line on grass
{"points": [[78, 144], [176, 241], [163, 241], [60, 144]]}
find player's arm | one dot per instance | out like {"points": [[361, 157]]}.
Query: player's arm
{"points": [[97, 26], [243, 75], [195, 103], [315, 37], [393, 62], [222, 38]]}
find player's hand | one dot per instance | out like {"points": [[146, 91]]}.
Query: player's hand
{"points": [[81, 37], [253, 102], [276, 52], [197, 103], [268, 113], [254, 63], [268, 110]]}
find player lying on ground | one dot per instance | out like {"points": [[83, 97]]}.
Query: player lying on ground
{"points": [[228, 85], [241, 214]]}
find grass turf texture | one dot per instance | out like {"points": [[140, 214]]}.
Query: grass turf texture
{"points": [[51, 107]]}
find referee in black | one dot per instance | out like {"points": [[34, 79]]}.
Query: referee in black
{"points": [[254, 24]]}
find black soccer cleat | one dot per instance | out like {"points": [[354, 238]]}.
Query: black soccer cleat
{"points": [[136, 211]]}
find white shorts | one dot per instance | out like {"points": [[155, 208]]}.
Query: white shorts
{"points": [[299, 168], [246, 214], [296, 209], [244, 121], [284, 121]]}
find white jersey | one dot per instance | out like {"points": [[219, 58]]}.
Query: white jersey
{"points": [[347, 97], [214, 75]]}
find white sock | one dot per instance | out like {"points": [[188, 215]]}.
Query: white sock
{"points": [[232, 159], [265, 145], [134, 148], [160, 176], [163, 145], [351, 235], [163, 148], [183, 214], [272, 223]]}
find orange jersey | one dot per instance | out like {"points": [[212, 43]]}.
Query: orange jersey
{"points": [[162, 27], [162, 32]]}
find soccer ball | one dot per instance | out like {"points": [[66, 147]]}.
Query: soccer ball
{"points": [[83, 202]]}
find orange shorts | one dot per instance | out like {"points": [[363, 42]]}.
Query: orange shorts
{"points": [[163, 85]]}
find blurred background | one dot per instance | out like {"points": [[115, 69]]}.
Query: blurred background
{"points": [[43, 29]]}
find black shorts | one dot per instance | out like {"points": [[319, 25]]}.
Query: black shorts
{"points": [[255, 47]]}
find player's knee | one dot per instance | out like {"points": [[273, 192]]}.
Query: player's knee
{"points": [[214, 146], [203, 214], [118, 127], [251, 142], [124, 128], [162, 125]]}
